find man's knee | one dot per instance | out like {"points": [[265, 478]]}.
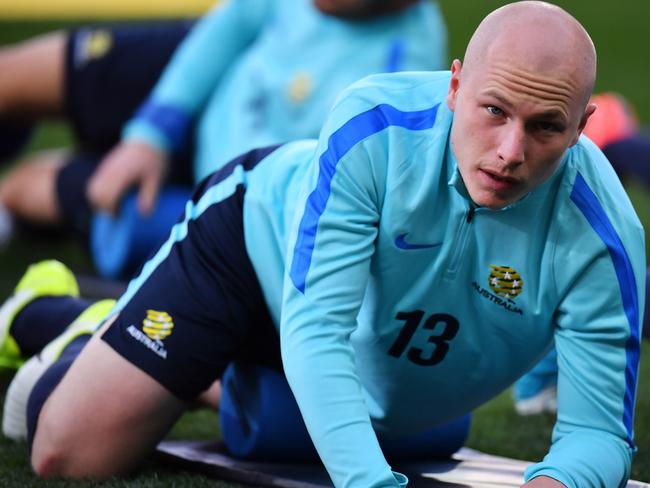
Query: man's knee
{"points": [[48, 460], [57, 455], [99, 429], [29, 190], [59, 448], [55, 452], [66, 446], [48, 449]]}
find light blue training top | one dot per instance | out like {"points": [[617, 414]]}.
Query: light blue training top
{"points": [[403, 309], [259, 72]]}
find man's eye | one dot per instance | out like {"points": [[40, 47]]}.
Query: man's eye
{"points": [[494, 110], [548, 127]]}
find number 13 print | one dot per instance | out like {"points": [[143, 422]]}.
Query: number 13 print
{"points": [[440, 342]]}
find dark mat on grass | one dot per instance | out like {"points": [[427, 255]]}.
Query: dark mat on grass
{"points": [[467, 469]]}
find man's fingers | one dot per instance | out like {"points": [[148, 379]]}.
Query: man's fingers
{"points": [[98, 193], [104, 193], [148, 194], [130, 164], [107, 186]]}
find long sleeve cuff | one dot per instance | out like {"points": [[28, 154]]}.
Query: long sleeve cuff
{"points": [[162, 126], [586, 458]]}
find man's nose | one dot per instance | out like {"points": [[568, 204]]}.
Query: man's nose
{"points": [[512, 147]]}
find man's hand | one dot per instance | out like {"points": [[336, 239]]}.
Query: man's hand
{"points": [[543, 482], [128, 164]]}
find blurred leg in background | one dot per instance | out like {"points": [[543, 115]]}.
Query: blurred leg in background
{"points": [[95, 78]]}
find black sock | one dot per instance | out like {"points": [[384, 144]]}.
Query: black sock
{"points": [[43, 320], [13, 139], [48, 381]]}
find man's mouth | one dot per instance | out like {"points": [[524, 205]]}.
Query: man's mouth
{"points": [[497, 181]]}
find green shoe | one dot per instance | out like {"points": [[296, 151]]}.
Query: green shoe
{"points": [[44, 279], [87, 323], [14, 417]]}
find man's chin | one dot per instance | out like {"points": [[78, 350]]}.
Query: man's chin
{"points": [[492, 201], [364, 11]]}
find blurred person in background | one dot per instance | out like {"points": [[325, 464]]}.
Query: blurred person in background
{"points": [[615, 129], [249, 74]]}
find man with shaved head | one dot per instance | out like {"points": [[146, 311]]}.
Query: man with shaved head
{"points": [[443, 233], [531, 63]]}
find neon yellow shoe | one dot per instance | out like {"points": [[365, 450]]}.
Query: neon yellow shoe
{"points": [[43, 279], [14, 417]]}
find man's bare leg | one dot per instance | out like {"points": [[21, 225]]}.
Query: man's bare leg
{"points": [[210, 398], [28, 190], [103, 418], [31, 87], [32, 78]]}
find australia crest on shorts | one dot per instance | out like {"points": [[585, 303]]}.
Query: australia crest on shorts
{"points": [[156, 327]]}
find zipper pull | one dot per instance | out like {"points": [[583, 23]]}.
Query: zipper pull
{"points": [[470, 213]]}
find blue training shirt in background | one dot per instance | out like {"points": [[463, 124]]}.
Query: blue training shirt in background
{"points": [[260, 72]]}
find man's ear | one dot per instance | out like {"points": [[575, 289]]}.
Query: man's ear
{"points": [[454, 84], [591, 108]]}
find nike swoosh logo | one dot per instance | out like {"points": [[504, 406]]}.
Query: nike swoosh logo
{"points": [[400, 241]]}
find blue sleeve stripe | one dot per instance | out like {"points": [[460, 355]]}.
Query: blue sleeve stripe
{"points": [[340, 142], [172, 121], [587, 202], [395, 57]]}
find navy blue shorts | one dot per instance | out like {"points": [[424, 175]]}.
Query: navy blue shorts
{"points": [[197, 304], [109, 71]]}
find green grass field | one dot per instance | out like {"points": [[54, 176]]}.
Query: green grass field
{"points": [[619, 31]]}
